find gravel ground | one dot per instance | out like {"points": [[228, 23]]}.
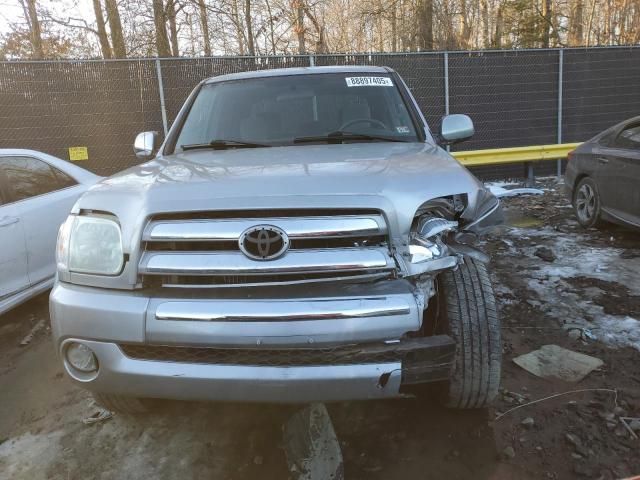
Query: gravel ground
{"points": [[556, 284]]}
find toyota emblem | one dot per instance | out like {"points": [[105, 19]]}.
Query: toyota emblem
{"points": [[263, 242]]}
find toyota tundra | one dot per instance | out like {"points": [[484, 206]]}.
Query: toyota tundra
{"points": [[299, 235]]}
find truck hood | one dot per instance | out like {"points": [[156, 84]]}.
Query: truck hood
{"points": [[393, 177]]}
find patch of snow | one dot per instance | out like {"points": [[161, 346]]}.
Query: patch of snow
{"points": [[501, 192], [499, 184], [574, 307], [619, 331]]}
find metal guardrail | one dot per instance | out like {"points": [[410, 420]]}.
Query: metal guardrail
{"points": [[500, 156]]}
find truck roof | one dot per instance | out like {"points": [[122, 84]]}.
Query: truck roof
{"points": [[281, 72]]}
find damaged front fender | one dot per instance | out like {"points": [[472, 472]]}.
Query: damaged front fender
{"points": [[484, 214]]}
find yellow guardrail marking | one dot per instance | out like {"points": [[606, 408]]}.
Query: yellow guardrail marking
{"points": [[497, 156]]}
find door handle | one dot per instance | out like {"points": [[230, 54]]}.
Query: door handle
{"points": [[603, 160], [6, 221]]}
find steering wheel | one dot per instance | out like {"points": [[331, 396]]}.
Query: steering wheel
{"points": [[362, 120]]}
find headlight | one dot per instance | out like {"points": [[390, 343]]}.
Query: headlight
{"points": [[426, 243], [90, 244]]}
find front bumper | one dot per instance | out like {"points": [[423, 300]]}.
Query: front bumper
{"points": [[120, 374], [366, 323]]}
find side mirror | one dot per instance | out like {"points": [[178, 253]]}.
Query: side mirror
{"points": [[145, 144], [456, 128]]}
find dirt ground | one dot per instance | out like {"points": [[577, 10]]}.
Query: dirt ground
{"points": [[580, 292]]}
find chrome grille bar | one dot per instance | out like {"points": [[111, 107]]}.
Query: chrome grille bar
{"points": [[296, 227], [295, 310], [295, 261]]}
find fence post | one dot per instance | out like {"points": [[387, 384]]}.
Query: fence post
{"points": [[163, 107], [560, 79], [446, 88], [312, 60], [446, 83]]}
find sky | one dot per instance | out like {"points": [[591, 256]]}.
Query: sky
{"points": [[11, 11]]}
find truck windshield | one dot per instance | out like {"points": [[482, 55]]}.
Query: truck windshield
{"points": [[297, 109]]}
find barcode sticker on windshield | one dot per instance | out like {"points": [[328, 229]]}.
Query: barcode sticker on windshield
{"points": [[369, 82]]}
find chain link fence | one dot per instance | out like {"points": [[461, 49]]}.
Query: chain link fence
{"points": [[515, 98]]}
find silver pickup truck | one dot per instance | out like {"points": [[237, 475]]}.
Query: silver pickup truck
{"points": [[300, 235]]}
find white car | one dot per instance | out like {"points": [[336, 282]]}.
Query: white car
{"points": [[36, 193]]}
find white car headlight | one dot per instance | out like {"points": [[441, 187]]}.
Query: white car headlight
{"points": [[423, 253], [90, 244], [426, 243]]}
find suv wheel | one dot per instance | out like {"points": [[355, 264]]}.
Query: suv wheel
{"points": [[120, 403], [468, 314], [586, 203]]}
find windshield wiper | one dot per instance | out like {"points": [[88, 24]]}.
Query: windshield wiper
{"points": [[341, 136], [223, 145]]}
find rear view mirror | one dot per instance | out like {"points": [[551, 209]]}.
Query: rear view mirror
{"points": [[456, 128], [144, 145]]}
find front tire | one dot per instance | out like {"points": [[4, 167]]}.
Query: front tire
{"points": [[467, 313], [586, 203]]}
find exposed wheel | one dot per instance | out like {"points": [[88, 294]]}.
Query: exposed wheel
{"points": [[586, 203], [120, 403], [467, 312]]}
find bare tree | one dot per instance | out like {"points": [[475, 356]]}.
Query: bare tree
{"points": [[35, 30], [576, 20], [497, 36], [256, 27], [247, 19], [235, 18], [546, 22], [425, 22], [115, 26], [204, 25], [320, 42], [272, 36], [393, 19], [298, 7], [159, 21], [102, 31], [170, 15]]}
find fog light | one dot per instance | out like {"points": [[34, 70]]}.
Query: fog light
{"points": [[81, 357]]}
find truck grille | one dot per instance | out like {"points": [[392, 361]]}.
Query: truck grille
{"points": [[202, 249], [256, 357]]}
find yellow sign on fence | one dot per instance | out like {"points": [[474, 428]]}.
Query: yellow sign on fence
{"points": [[78, 153]]}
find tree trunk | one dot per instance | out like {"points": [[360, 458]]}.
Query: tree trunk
{"points": [[204, 24], [380, 26], [425, 24], [394, 28], [546, 22], [271, 30], [35, 33], [497, 37], [590, 23], [320, 44], [117, 39], [173, 28], [576, 35], [465, 37], [247, 19], [238, 24], [299, 6], [102, 31], [159, 20], [486, 37]]}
